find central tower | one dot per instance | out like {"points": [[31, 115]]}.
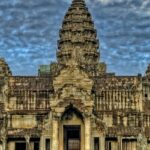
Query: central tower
{"points": [[78, 38]]}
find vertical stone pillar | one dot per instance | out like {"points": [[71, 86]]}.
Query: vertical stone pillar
{"points": [[31, 145], [4, 142], [1, 146], [27, 138], [119, 143], [42, 143], [102, 142], [55, 137], [11, 146], [87, 133], [9, 122]]}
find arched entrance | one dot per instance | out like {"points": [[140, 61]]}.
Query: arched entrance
{"points": [[71, 115], [72, 129]]}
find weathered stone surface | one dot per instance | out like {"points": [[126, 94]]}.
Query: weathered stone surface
{"points": [[77, 93]]}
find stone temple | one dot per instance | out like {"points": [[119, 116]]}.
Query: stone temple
{"points": [[74, 103]]}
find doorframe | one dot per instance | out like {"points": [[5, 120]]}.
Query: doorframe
{"points": [[64, 134]]}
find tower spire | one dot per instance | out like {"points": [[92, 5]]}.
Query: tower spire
{"points": [[74, 1], [78, 40]]}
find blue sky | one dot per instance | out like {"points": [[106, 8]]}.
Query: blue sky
{"points": [[29, 33]]}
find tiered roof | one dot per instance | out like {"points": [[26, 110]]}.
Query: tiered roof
{"points": [[78, 39]]}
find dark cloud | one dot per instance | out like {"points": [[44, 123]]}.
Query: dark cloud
{"points": [[29, 33]]}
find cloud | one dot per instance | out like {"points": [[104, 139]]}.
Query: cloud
{"points": [[106, 2], [29, 32], [124, 35]]}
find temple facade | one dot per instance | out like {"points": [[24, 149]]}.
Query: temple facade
{"points": [[74, 103]]}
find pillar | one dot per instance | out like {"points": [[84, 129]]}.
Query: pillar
{"points": [[87, 133], [31, 145], [4, 142], [55, 138], [27, 138], [11, 145], [102, 142], [119, 143], [42, 143], [128, 145]]}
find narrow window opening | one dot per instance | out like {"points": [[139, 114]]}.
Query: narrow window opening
{"points": [[47, 144], [96, 143]]}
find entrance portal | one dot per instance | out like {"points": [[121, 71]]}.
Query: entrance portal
{"points": [[20, 146], [72, 137]]}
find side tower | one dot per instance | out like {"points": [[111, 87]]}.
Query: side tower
{"points": [[4, 74]]}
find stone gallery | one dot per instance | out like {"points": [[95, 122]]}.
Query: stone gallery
{"points": [[74, 103]]}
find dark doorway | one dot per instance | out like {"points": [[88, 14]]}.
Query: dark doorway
{"points": [[96, 143], [20, 146], [47, 144], [108, 143], [72, 137], [36, 146]]}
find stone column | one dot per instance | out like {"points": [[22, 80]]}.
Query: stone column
{"points": [[31, 145], [42, 143], [27, 138], [11, 145], [1, 146], [4, 142], [87, 133], [102, 142], [119, 143], [55, 137]]}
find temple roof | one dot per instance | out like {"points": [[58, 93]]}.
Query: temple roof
{"points": [[78, 39]]}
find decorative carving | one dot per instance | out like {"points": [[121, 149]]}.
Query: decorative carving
{"points": [[141, 142], [72, 75], [72, 92], [27, 137], [123, 131], [101, 69], [100, 126], [33, 132], [70, 112]]}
